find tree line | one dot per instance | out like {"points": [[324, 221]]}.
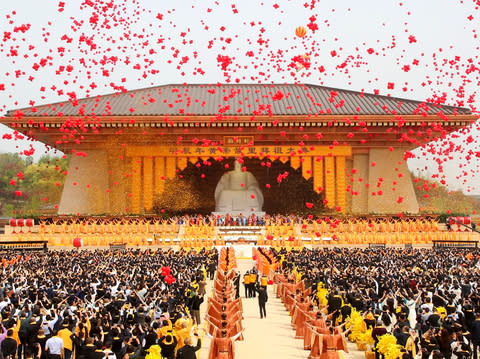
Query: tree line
{"points": [[29, 188]]}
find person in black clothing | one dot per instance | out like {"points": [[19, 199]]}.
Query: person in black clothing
{"points": [[196, 301], [87, 350], [434, 320], [475, 335], [41, 339], [212, 267], [168, 344], [402, 334], [188, 351], [32, 332], [262, 300], [236, 282], [9, 346], [150, 338], [246, 278], [98, 353], [334, 304]]}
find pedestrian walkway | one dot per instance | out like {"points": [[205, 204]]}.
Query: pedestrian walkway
{"points": [[271, 337]]}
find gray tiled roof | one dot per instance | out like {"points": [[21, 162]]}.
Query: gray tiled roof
{"points": [[239, 99]]}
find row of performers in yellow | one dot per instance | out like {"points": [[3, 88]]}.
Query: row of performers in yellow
{"points": [[329, 238]]}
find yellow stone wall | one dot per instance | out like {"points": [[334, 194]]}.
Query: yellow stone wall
{"points": [[86, 186], [106, 182], [393, 171]]}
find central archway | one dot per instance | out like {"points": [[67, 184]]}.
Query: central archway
{"points": [[285, 190]]}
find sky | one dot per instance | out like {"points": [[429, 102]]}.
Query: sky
{"points": [[54, 51]]}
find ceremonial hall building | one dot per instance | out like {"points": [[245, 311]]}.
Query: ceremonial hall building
{"points": [[125, 146]]}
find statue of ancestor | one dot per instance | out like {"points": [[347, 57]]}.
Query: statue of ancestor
{"points": [[238, 192]]}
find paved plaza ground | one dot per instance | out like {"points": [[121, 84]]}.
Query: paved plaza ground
{"points": [[271, 337]]}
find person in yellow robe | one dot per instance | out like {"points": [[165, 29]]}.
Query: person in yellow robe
{"points": [[66, 335], [183, 333]]}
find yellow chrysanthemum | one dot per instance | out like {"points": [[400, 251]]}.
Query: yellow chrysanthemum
{"points": [[387, 345], [322, 294]]}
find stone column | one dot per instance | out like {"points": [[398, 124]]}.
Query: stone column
{"points": [[330, 181], [318, 174], [341, 183], [159, 174], [360, 178], [118, 181], [86, 185], [148, 183], [137, 206], [348, 183], [170, 167]]}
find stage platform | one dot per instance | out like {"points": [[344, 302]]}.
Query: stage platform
{"points": [[144, 232]]}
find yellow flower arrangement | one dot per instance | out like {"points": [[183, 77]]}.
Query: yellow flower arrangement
{"points": [[322, 294], [387, 345]]}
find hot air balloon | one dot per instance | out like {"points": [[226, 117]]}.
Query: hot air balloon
{"points": [[300, 31]]}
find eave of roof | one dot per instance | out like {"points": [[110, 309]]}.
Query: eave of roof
{"points": [[238, 100]]}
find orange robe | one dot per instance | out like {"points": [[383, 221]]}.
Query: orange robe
{"points": [[233, 327], [299, 318], [326, 346], [319, 325], [280, 280], [221, 348]]}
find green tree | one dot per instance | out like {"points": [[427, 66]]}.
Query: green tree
{"points": [[40, 184], [434, 197], [11, 164]]}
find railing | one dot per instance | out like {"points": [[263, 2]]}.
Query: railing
{"points": [[24, 246], [455, 244]]}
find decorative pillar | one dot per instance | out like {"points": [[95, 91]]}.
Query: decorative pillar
{"points": [[341, 183], [318, 174], [330, 181], [159, 175], [118, 181], [136, 183], [170, 167], [348, 183], [147, 183], [360, 179]]}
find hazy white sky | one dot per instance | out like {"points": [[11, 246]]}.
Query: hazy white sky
{"points": [[424, 48]]}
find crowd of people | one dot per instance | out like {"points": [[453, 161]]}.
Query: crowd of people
{"points": [[96, 304], [427, 299], [131, 304]]}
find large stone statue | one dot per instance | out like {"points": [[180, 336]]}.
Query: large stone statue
{"points": [[238, 192]]}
